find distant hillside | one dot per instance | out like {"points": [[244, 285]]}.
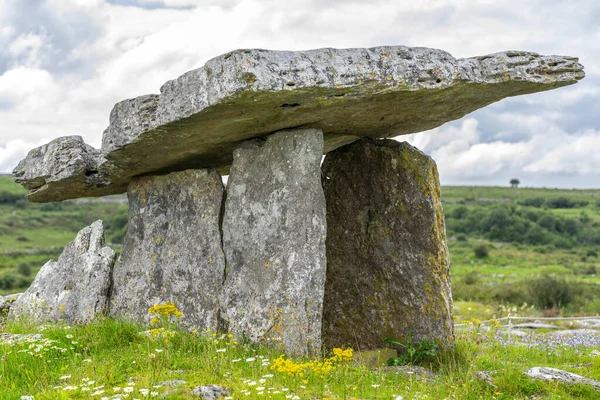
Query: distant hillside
{"points": [[558, 217]]}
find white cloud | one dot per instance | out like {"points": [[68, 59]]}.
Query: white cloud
{"points": [[11, 153], [578, 155], [27, 47], [463, 158]]}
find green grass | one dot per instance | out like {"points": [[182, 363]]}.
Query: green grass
{"points": [[114, 355]]}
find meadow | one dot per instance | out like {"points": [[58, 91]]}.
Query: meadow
{"points": [[117, 360]]}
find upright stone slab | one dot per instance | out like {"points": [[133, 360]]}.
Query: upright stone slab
{"points": [[74, 288], [387, 262], [274, 240], [172, 251]]}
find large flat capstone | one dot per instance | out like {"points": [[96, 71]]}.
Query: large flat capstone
{"points": [[198, 119], [172, 250], [75, 287], [388, 273], [274, 240]]}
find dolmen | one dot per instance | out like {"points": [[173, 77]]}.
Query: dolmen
{"points": [[296, 251]]}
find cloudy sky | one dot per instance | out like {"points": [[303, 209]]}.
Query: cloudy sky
{"points": [[64, 63]]}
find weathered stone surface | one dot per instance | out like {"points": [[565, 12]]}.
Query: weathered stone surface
{"points": [[199, 118], [553, 374], [387, 262], [64, 168], [210, 392], [274, 240], [172, 250], [74, 288], [7, 301], [485, 376]]}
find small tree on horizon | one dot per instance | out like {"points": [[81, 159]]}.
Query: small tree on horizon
{"points": [[514, 182]]}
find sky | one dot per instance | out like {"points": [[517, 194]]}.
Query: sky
{"points": [[65, 63]]}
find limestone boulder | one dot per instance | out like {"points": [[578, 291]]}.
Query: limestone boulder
{"points": [[274, 240], [558, 375], [66, 167], [74, 288], [388, 270], [7, 301], [210, 392], [172, 250], [198, 119]]}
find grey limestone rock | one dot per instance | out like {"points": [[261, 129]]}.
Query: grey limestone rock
{"points": [[172, 250], [198, 119], [388, 272], [274, 240], [535, 325], [172, 383], [210, 392], [7, 301], [553, 374], [64, 168], [75, 287]]}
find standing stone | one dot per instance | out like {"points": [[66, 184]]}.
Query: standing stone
{"points": [[388, 270], [172, 251], [274, 240], [74, 288]]}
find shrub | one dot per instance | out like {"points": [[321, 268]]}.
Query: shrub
{"points": [[471, 278], [460, 212], [590, 270], [533, 202], [7, 282], [461, 237], [481, 251], [24, 269], [511, 293], [549, 292], [565, 202]]}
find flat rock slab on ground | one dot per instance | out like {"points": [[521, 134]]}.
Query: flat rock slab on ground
{"points": [[210, 392], [274, 240], [198, 119], [590, 323], [75, 287], [388, 273], [553, 374], [172, 250], [535, 325]]}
